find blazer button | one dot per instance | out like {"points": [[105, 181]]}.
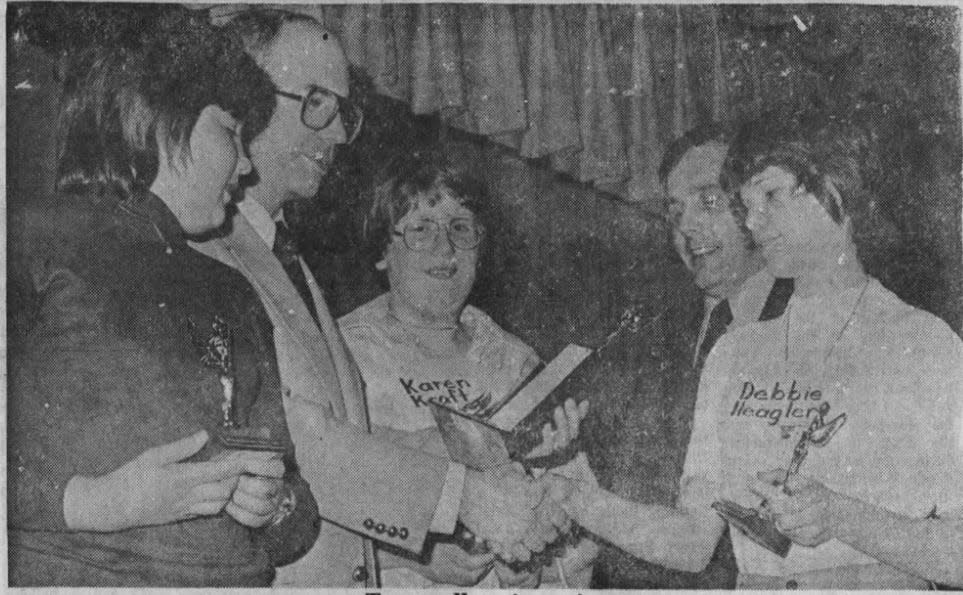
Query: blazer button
{"points": [[392, 531], [403, 533], [368, 524], [791, 584], [360, 574], [380, 528]]}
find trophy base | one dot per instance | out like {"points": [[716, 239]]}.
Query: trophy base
{"points": [[239, 439], [761, 530]]}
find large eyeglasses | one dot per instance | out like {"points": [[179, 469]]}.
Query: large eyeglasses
{"points": [[464, 234], [320, 106]]}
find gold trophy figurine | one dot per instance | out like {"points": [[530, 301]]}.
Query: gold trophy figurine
{"points": [[758, 525]]}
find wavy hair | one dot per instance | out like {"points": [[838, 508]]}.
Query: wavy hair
{"points": [[409, 179]]}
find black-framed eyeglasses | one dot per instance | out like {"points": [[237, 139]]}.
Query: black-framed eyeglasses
{"points": [[463, 233], [320, 106]]}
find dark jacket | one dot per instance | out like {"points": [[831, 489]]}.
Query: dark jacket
{"points": [[109, 305]]}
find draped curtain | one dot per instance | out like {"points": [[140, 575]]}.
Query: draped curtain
{"points": [[595, 90]]}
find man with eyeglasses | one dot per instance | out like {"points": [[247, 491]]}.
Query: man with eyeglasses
{"points": [[366, 485]]}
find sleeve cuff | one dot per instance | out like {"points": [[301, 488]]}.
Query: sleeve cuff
{"points": [[446, 513], [578, 469]]}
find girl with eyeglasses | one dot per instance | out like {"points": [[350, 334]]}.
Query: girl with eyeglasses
{"points": [[422, 342]]}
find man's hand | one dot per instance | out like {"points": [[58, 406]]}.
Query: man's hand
{"points": [[567, 419], [509, 511], [452, 565], [256, 500], [560, 489], [155, 488], [807, 512]]}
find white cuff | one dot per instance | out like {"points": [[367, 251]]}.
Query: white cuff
{"points": [[449, 503]]}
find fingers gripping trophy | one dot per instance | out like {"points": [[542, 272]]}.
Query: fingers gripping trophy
{"points": [[756, 523]]}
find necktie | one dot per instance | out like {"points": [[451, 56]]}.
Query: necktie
{"points": [[719, 320], [286, 249], [778, 299]]}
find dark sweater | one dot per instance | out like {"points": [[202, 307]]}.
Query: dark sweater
{"points": [[109, 302]]}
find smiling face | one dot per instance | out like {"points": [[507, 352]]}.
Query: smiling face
{"points": [[795, 232], [430, 286], [291, 159], [198, 187], [705, 231], [219, 160]]}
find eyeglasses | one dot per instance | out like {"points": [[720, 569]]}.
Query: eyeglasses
{"points": [[320, 106], [420, 236]]}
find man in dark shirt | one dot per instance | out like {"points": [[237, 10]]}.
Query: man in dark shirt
{"points": [[636, 440]]}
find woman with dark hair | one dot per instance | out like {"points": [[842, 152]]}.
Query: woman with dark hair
{"points": [[422, 342], [134, 351]]}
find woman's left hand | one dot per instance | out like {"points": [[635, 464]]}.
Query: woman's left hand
{"points": [[806, 511], [567, 419]]}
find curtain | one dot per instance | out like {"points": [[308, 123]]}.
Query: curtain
{"points": [[595, 90]]}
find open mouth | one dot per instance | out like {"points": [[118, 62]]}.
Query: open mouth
{"points": [[442, 272], [318, 160], [702, 251]]}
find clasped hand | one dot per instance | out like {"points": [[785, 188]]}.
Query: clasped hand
{"points": [[510, 511], [806, 511], [157, 488]]}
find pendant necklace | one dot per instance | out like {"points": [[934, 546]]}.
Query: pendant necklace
{"points": [[842, 330]]}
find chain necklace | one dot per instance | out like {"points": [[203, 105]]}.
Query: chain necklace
{"points": [[842, 330]]}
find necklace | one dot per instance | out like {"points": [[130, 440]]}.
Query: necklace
{"points": [[842, 331]]}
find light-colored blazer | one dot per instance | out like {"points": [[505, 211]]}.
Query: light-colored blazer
{"points": [[364, 485]]}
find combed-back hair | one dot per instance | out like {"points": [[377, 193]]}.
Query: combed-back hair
{"points": [[710, 132], [424, 175], [122, 98], [703, 134]]}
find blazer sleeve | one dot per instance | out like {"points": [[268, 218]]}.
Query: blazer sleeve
{"points": [[290, 539], [365, 483]]}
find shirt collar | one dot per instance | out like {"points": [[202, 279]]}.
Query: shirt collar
{"points": [[259, 218], [747, 304], [155, 217]]}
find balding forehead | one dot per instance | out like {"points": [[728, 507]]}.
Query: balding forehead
{"points": [[305, 54]]}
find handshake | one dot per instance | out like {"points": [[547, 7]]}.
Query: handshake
{"points": [[513, 513]]}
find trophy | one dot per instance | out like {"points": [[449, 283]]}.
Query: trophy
{"points": [[756, 524], [216, 352]]}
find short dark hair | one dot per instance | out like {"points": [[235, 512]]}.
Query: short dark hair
{"points": [[410, 178], [703, 134], [120, 98], [696, 137]]}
